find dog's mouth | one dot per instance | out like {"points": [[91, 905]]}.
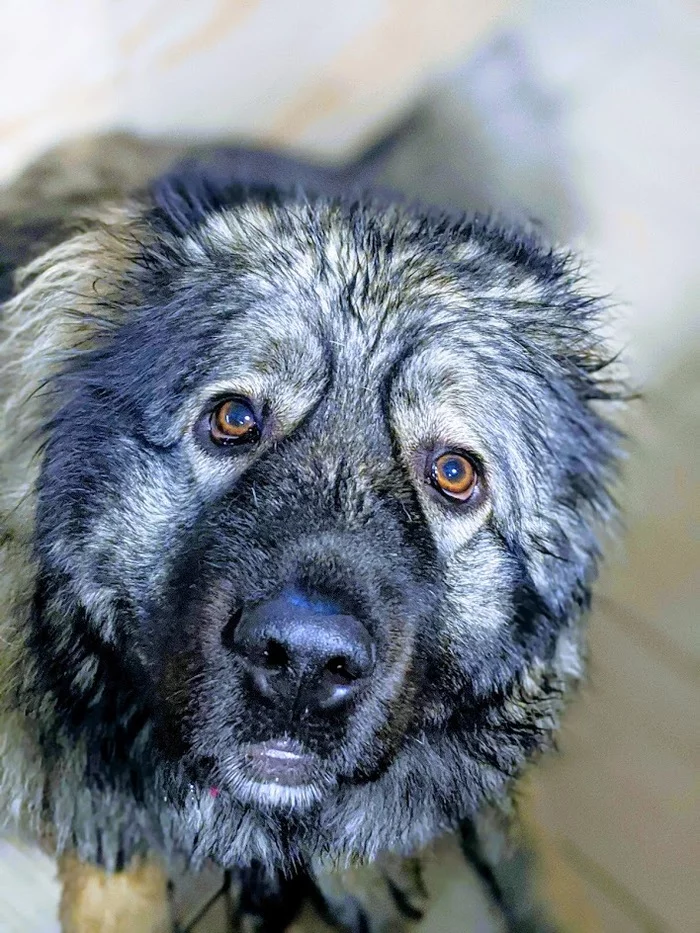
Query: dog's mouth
{"points": [[277, 773], [282, 762]]}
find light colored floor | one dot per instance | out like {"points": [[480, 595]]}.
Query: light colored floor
{"points": [[581, 113]]}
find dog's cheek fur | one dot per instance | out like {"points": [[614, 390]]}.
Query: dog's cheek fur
{"points": [[111, 539]]}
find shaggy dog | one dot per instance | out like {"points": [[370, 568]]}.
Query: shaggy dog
{"points": [[301, 500]]}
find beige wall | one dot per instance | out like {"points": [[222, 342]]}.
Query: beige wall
{"points": [[317, 73]]}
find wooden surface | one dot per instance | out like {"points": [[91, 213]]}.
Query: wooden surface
{"points": [[623, 796], [312, 73]]}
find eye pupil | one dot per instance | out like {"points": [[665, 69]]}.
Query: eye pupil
{"points": [[453, 469], [232, 422], [239, 417]]}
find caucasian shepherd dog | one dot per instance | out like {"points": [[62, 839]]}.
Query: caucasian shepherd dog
{"points": [[302, 493]]}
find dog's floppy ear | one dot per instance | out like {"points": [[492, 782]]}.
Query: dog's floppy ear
{"points": [[197, 187], [56, 287], [184, 196]]}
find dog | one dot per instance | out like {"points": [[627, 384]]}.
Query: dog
{"points": [[302, 501]]}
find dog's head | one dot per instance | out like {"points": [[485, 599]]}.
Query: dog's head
{"points": [[317, 511]]}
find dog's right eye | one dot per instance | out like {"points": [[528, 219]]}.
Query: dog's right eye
{"points": [[234, 421], [454, 475]]}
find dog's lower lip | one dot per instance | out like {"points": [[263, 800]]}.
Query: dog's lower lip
{"points": [[283, 753], [280, 761]]}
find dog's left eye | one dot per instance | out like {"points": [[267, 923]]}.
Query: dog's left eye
{"points": [[234, 421]]}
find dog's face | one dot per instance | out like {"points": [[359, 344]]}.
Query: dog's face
{"points": [[321, 501]]}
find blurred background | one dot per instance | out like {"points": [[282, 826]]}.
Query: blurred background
{"points": [[581, 113]]}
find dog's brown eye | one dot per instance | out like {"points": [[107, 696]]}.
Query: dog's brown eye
{"points": [[454, 475], [234, 422]]}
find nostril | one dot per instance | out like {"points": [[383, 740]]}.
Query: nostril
{"points": [[341, 671], [275, 656], [339, 680]]}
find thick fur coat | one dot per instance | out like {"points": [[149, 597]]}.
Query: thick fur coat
{"points": [[368, 336]]}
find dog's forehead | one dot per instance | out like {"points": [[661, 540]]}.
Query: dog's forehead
{"points": [[338, 272], [320, 283]]}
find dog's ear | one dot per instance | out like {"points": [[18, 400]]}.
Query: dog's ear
{"points": [[58, 297], [214, 178], [197, 187], [186, 195]]}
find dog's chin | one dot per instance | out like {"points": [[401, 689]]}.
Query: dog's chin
{"points": [[276, 775]]}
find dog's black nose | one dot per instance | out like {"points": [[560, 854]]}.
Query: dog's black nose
{"points": [[304, 649]]}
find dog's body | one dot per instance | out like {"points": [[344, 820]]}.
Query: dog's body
{"points": [[370, 352]]}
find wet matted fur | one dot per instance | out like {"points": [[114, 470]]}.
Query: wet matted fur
{"points": [[366, 333]]}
